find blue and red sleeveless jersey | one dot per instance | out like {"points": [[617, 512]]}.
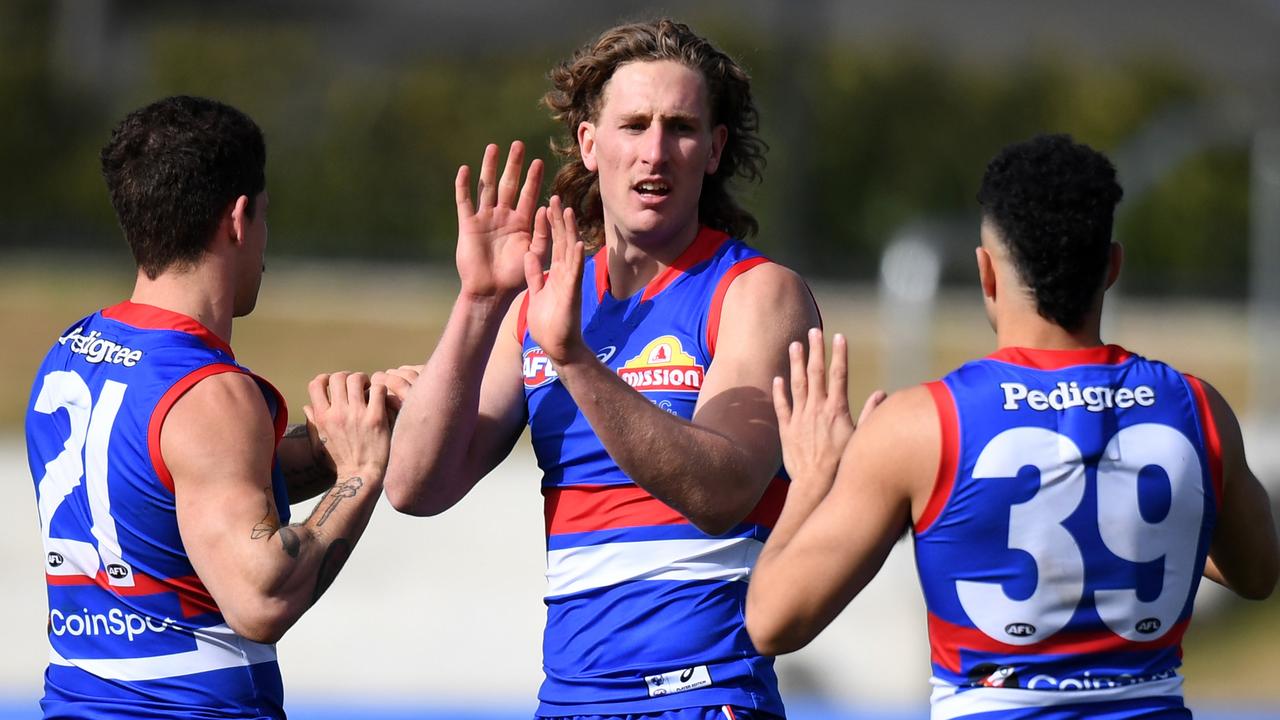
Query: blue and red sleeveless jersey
{"points": [[644, 611], [132, 630], [1065, 538]]}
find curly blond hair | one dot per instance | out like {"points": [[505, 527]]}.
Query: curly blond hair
{"points": [[576, 95]]}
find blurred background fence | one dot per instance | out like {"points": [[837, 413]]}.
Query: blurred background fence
{"points": [[880, 118]]}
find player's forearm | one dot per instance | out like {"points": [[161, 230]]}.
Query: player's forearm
{"points": [[304, 475], [698, 472], [433, 455], [292, 566]]}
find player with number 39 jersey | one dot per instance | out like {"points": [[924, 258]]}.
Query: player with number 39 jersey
{"points": [[1073, 512], [1066, 496]]}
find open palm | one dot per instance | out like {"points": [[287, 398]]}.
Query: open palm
{"points": [[496, 231], [555, 299]]}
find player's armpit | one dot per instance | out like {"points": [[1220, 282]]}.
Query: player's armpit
{"points": [[834, 551], [1245, 553]]}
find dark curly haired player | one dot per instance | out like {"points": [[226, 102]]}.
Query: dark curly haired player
{"points": [[1065, 495]]}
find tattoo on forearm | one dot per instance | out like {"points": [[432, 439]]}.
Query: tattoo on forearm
{"points": [[334, 558], [290, 541], [269, 523], [341, 491]]}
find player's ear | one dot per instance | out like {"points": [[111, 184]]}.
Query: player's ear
{"points": [[587, 145], [986, 272], [1113, 264], [238, 220]]}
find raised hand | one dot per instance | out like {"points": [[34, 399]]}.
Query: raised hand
{"points": [[555, 299], [495, 231], [814, 423]]}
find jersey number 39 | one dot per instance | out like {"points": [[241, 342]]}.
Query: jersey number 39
{"points": [[1035, 526]]}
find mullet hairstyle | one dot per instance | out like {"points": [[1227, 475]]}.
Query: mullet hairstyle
{"points": [[577, 93]]}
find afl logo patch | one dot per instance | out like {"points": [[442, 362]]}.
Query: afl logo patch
{"points": [[663, 365], [1020, 629], [539, 371], [56, 559]]}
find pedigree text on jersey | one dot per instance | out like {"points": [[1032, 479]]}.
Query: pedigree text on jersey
{"points": [[97, 349], [1094, 398]]}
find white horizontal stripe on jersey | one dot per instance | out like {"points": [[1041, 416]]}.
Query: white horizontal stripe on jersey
{"points": [[948, 703], [576, 569], [217, 648]]}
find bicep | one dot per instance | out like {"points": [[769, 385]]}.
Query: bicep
{"points": [[218, 443], [764, 310]]}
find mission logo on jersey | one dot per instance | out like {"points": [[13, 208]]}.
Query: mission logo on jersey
{"points": [[663, 365]]}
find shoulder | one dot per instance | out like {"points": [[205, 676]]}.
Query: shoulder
{"points": [[1221, 420], [900, 443], [231, 396], [768, 289]]}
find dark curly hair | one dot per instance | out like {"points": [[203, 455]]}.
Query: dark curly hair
{"points": [[172, 168], [578, 87], [1053, 202]]}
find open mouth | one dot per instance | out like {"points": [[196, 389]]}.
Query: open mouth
{"points": [[652, 188]]}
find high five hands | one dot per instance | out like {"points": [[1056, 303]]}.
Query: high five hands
{"points": [[814, 421], [495, 232], [555, 298]]}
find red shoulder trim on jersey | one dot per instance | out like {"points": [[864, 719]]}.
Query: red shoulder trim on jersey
{"points": [[947, 640], [150, 317], [1057, 359], [701, 249], [281, 417], [949, 461], [1212, 440], [717, 300], [166, 404], [193, 597]]}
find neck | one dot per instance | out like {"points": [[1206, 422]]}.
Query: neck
{"points": [[194, 293], [1030, 330], [635, 260]]}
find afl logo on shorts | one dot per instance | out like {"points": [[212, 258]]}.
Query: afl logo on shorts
{"points": [[663, 365]]}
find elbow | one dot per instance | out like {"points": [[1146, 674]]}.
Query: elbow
{"points": [[714, 523], [266, 624], [715, 518], [1260, 586], [769, 635], [411, 498]]}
